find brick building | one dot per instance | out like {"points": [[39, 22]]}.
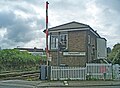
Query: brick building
{"points": [[75, 44]]}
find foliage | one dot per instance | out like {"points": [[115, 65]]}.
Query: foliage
{"points": [[115, 54], [13, 59]]}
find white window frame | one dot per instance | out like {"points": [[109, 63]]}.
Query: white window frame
{"points": [[66, 39], [54, 43]]}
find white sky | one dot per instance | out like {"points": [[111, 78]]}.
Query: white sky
{"points": [[22, 21]]}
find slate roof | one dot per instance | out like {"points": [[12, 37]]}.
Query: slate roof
{"points": [[72, 25]]}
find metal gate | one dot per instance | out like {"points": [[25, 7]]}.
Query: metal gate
{"points": [[116, 71], [67, 73], [93, 71], [99, 71]]}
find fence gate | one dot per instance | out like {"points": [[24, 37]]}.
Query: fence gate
{"points": [[67, 73], [116, 71], [99, 71], [92, 71]]}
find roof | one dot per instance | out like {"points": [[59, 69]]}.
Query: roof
{"points": [[72, 26], [30, 49]]}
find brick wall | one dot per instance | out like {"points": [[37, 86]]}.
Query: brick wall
{"points": [[91, 53], [74, 61], [76, 43]]}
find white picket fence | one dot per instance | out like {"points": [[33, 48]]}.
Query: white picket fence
{"points": [[93, 71], [67, 73]]}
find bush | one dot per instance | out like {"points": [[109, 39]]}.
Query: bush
{"points": [[13, 59]]}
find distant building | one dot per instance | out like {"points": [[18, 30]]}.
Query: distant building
{"points": [[75, 44], [34, 51]]}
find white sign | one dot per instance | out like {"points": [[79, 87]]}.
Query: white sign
{"points": [[74, 53], [49, 58]]}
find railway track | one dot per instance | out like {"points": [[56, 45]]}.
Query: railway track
{"points": [[29, 75]]}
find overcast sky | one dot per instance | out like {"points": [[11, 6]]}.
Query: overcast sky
{"points": [[22, 21]]}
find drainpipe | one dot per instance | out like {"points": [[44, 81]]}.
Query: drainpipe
{"points": [[87, 47], [58, 50]]}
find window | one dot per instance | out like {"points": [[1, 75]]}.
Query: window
{"points": [[64, 40], [54, 42]]}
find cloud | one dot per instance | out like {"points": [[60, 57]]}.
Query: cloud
{"points": [[108, 20], [22, 21], [112, 4], [21, 25], [101, 15], [6, 18]]}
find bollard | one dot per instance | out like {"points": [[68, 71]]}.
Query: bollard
{"points": [[104, 75]]}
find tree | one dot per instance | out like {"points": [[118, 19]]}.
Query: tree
{"points": [[115, 54]]}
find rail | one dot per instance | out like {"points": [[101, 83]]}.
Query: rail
{"points": [[19, 75]]}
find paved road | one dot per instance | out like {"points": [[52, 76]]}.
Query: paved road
{"points": [[85, 87], [18, 84], [58, 84]]}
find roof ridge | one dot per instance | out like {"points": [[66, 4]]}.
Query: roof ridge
{"points": [[68, 23]]}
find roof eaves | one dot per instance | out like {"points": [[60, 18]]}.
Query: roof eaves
{"points": [[104, 38], [66, 24], [95, 32], [69, 28]]}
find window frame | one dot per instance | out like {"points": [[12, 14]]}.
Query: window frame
{"points": [[58, 37], [66, 40], [54, 43]]}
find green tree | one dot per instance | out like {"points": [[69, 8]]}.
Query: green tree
{"points": [[114, 56]]}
